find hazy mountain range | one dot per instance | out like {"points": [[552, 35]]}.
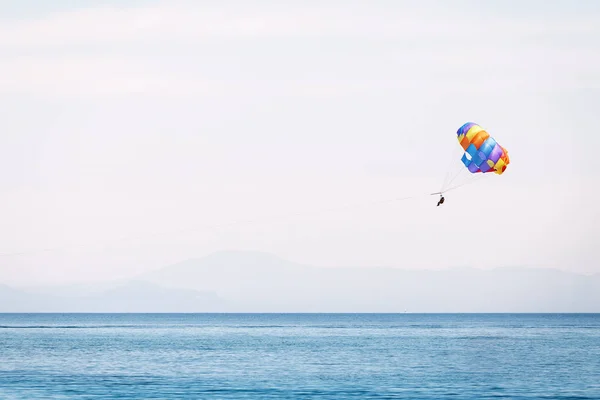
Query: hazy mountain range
{"points": [[258, 282]]}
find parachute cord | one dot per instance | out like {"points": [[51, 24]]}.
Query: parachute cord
{"points": [[463, 184], [447, 173], [461, 172], [455, 154]]}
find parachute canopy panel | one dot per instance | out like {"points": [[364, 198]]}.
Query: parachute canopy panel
{"points": [[482, 152]]}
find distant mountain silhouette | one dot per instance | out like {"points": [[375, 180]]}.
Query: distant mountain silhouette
{"points": [[239, 281], [135, 296], [259, 282]]}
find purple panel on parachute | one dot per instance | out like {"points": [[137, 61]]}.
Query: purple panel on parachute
{"points": [[473, 168], [496, 153], [485, 167], [482, 156]]}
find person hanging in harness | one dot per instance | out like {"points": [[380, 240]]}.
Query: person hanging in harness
{"points": [[441, 201]]}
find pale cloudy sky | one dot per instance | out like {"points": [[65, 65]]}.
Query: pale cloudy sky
{"points": [[133, 118]]}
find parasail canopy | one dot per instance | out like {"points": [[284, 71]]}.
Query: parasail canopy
{"points": [[482, 152]]}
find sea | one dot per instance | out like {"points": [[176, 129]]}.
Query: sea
{"points": [[299, 356]]}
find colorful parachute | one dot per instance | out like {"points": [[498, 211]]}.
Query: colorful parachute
{"points": [[482, 152]]}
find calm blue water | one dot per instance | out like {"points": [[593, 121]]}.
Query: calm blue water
{"points": [[300, 356]]}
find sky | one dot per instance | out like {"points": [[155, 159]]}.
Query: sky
{"points": [[136, 134]]}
